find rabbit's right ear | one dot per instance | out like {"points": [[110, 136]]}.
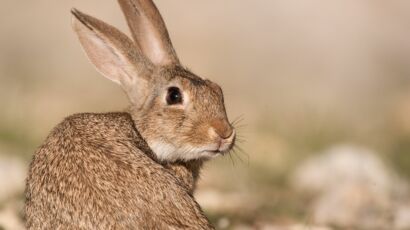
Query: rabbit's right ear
{"points": [[113, 54], [149, 31]]}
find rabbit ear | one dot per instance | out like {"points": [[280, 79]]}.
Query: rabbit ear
{"points": [[149, 31], [113, 54]]}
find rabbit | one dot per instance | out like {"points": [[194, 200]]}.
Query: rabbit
{"points": [[135, 169]]}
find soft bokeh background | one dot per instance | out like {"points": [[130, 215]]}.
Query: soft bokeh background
{"points": [[322, 88]]}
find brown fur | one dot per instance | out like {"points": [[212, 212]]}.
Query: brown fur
{"points": [[94, 172]]}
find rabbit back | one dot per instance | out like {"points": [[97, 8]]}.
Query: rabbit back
{"points": [[95, 171]]}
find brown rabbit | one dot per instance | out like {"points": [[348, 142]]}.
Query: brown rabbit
{"points": [[137, 169]]}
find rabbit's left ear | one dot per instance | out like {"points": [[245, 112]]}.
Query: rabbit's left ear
{"points": [[149, 31], [114, 55]]}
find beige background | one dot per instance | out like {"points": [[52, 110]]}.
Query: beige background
{"points": [[305, 76]]}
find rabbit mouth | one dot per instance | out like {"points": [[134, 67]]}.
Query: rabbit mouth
{"points": [[222, 149], [215, 152]]}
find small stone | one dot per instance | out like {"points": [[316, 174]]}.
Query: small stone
{"points": [[402, 218], [351, 188], [10, 218], [223, 223], [12, 177]]}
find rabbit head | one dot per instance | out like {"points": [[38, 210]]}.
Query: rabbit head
{"points": [[180, 115]]}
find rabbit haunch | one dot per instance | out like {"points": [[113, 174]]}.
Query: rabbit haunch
{"points": [[95, 171]]}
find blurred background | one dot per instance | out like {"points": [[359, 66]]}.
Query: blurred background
{"points": [[321, 88]]}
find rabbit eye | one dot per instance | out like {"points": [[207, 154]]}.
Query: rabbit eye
{"points": [[174, 96]]}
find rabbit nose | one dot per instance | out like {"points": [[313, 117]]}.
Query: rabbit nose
{"points": [[222, 128]]}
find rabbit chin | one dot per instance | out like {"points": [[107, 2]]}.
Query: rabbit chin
{"points": [[169, 153]]}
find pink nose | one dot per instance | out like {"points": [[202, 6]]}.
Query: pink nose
{"points": [[222, 128]]}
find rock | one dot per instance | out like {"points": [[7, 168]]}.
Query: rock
{"points": [[223, 223], [213, 200], [402, 217], [343, 165], [10, 218], [292, 227], [12, 177], [353, 206], [242, 227], [351, 187]]}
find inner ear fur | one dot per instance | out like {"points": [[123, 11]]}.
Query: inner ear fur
{"points": [[113, 54], [149, 31]]}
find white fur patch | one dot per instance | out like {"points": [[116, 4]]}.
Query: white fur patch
{"points": [[168, 152], [162, 150]]}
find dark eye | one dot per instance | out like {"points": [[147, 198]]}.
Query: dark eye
{"points": [[174, 96]]}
